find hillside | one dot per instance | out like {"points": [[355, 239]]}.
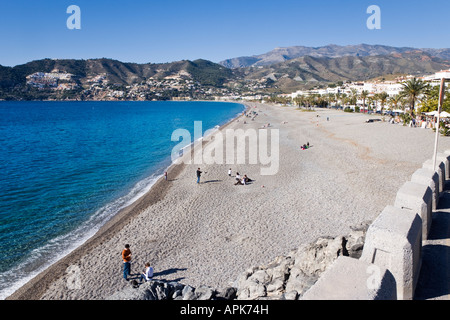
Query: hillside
{"points": [[110, 79], [300, 72], [107, 79], [117, 72], [330, 51]]}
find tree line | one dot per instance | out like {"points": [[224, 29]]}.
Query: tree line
{"points": [[414, 92]]}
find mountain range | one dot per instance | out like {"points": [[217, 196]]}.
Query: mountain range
{"points": [[281, 70], [309, 71], [117, 72], [330, 51]]}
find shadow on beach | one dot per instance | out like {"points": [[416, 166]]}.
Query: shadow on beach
{"points": [[211, 181], [159, 275], [168, 271]]}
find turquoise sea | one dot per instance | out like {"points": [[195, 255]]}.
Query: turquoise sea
{"points": [[67, 167]]}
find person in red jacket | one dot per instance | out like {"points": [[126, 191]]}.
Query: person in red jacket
{"points": [[126, 257]]}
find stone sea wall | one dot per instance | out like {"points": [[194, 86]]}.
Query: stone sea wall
{"points": [[390, 264]]}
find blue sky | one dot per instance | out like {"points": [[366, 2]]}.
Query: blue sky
{"points": [[165, 31]]}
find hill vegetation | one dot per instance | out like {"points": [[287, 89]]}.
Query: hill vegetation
{"points": [[310, 71], [330, 51], [201, 79]]}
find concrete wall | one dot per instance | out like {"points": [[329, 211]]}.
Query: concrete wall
{"points": [[430, 179], [353, 279], [390, 264], [394, 242], [440, 169], [418, 198]]}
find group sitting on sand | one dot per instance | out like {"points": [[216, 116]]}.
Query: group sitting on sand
{"points": [[242, 181], [305, 146]]}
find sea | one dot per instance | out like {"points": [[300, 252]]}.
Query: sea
{"points": [[66, 168]]}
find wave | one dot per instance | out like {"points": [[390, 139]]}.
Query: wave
{"points": [[59, 247]]}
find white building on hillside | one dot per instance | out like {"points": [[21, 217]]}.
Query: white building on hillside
{"points": [[435, 79], [391, 88]]}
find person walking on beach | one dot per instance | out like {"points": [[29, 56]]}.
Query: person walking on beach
{"points": [[229, 172], [165, 175], [198, 175], [126, 256]]}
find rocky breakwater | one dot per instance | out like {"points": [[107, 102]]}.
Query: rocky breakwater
{"points": [[287, 277]]}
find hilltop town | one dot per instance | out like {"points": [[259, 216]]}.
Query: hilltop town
{"points": [[176, 87], [182, 87]]}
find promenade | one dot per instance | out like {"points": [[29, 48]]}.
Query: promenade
{"points": [[434, 279]]}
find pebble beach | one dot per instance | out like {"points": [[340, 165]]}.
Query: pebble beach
{"points": [[208, 233]]}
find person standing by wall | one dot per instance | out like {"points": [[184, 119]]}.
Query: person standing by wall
{"points": [[126, 257]]}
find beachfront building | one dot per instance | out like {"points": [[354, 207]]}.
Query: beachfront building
{"points": [[374, 90], [392, 88], [435, 79]]}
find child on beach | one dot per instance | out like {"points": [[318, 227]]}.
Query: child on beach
{"points": [[198, 175], [147, 275]]}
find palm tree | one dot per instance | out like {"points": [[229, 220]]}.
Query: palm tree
{"points": [[343, 100], [331, 98], [375, 99], [412, 90], [394, 101], [353, 97], [383, 97], [364, 95]]}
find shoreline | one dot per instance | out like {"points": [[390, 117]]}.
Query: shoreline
{"points": [[202, 234], [36, 286]]}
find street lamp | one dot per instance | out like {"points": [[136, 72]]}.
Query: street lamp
{"points": [[441, 101]]}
